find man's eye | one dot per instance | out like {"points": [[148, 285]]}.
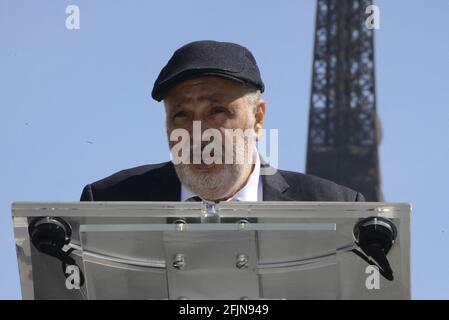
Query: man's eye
{"points": [[179, 114], [216, 110]]}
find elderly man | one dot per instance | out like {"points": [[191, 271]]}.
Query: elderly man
{"points": [[217, 86]]}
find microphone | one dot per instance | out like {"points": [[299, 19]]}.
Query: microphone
{"points": [[375, 236], [49, 235]]}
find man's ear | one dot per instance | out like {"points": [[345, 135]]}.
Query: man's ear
{"points": [[260, 117]]}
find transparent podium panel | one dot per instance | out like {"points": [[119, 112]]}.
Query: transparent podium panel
{"points": [[189, 250], [298, 265], [212, 261]]}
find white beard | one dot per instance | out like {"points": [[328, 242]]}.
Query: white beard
{"points": [[223, 180], [219, 184]]}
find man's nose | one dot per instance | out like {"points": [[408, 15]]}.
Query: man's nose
{"points": [[198, 115], [198, 124]]}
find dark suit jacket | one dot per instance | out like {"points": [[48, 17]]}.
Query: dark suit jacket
{"points": [[159, 182]]}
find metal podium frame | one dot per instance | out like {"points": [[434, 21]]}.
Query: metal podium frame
{"points": [[230, 250]]}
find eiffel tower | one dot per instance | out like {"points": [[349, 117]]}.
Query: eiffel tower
{"points": [[344, 129]]}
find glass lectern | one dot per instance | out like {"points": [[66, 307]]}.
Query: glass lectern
{"points": [[232, 250]]}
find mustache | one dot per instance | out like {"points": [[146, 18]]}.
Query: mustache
{"points": [[200, 145]]}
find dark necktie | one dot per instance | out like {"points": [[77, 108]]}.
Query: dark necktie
{"points": [[198, 199], [194, 199]]}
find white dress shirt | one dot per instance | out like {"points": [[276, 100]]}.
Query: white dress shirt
{"points": [[252, 191]]}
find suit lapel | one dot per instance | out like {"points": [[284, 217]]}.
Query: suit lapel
{"points": [[168, 186], [274, 187]]}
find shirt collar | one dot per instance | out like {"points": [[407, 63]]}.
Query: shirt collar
{"points": [[250, 192]]}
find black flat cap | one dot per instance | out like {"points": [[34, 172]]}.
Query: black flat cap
{"points": [[208, 58]]}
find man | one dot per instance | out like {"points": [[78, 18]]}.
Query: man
{"points": [[217, 86]]}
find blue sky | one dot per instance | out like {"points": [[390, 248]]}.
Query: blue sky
{"points": [[75, 105]]}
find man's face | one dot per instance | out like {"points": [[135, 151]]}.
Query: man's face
{"points": [[218, 104]]}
